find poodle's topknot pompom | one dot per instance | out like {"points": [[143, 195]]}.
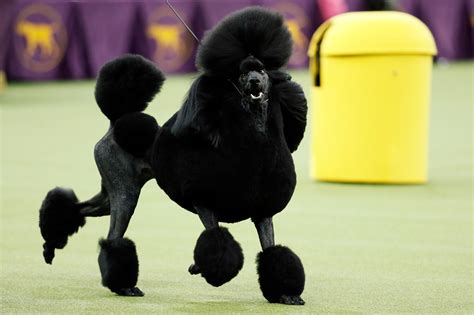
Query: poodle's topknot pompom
{"points": [[251, 31], [126, 85]]}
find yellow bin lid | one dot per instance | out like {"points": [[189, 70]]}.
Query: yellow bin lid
{"points": [[369, 33]]}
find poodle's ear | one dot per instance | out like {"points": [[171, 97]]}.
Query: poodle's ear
{"points": [[293, 105], [200, 112]]}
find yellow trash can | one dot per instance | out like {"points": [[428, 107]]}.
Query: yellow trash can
{"points": [[371, 86]]}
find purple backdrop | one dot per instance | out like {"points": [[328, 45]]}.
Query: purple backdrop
{"points": [[170, 44], [302, 19], [106, 30], [451, 23], [39, 40], [58, 39]]}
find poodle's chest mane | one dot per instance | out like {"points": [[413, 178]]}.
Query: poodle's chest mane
{"points": [[256, 116]]}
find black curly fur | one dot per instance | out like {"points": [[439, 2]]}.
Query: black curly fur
{"points": [[127, 85], [135, 133], [251, 31], [200, 111], [118, 263], [294, 108], [59, 218], [280, 273], [218, 256]]}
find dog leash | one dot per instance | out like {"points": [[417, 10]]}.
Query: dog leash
{"points": [[182, 21]]}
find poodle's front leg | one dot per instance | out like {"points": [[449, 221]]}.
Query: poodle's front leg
{"points": [[265, 232], [217, 256], [281, 274], [209, 220]]}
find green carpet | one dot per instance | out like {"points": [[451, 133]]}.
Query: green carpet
{"points": [[365, 248]]}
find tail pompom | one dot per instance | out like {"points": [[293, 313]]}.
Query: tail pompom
{"points": [[126, 85], [59, 218], [218, 256]]}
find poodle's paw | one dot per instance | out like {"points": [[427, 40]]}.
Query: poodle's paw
{"points": [[130, 292], [291, 300], [194, 269]]}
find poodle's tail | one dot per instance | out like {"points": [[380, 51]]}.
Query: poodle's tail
{"points": [[61, 215], [123, 90], [126, 85]]}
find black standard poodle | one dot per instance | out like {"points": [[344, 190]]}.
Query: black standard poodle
{"points": [[225, 156]]}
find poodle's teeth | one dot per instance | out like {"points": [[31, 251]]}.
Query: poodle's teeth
{"points": [[257, 97]]}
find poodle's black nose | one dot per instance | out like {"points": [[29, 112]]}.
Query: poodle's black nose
{"points": [[254, 81], [253, 78]]}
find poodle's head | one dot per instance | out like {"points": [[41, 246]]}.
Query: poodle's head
{"points": [[254, 86], [254, 82]]}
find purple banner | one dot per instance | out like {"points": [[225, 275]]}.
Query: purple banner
{"points": [[356, 5], [212, 11], [5, 30], [302, 19], [107, 30], [451, 23], [40, 37], [59, 39], [170, 44]]}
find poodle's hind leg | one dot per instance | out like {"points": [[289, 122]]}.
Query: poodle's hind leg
{"points": [[281, 273], [97, 206], [217, 256], [123, 176]]}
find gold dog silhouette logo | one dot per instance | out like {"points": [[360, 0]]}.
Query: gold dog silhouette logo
{"points": [[296, 20], [41, 38], [173, 44]]}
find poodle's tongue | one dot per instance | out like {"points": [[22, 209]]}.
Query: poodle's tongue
{"points": [[259, 96]]}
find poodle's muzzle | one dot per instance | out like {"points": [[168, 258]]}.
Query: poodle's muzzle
{"points": [[255, 85]]}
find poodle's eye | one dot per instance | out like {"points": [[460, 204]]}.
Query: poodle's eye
{"points": [[262, 71]]}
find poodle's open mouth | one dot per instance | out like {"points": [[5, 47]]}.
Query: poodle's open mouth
{"points": [[256, 97]]}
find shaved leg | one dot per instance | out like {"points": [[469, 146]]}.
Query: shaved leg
{"points": [[265, 232], [207, 217], [122, 177], [123, 205], [97, 206]]}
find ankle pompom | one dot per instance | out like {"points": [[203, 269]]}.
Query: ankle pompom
{"points": [[218, 256]]}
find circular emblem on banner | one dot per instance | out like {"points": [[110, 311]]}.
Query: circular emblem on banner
{"points": [[173, 45], [40, 37], [296, 20]]}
